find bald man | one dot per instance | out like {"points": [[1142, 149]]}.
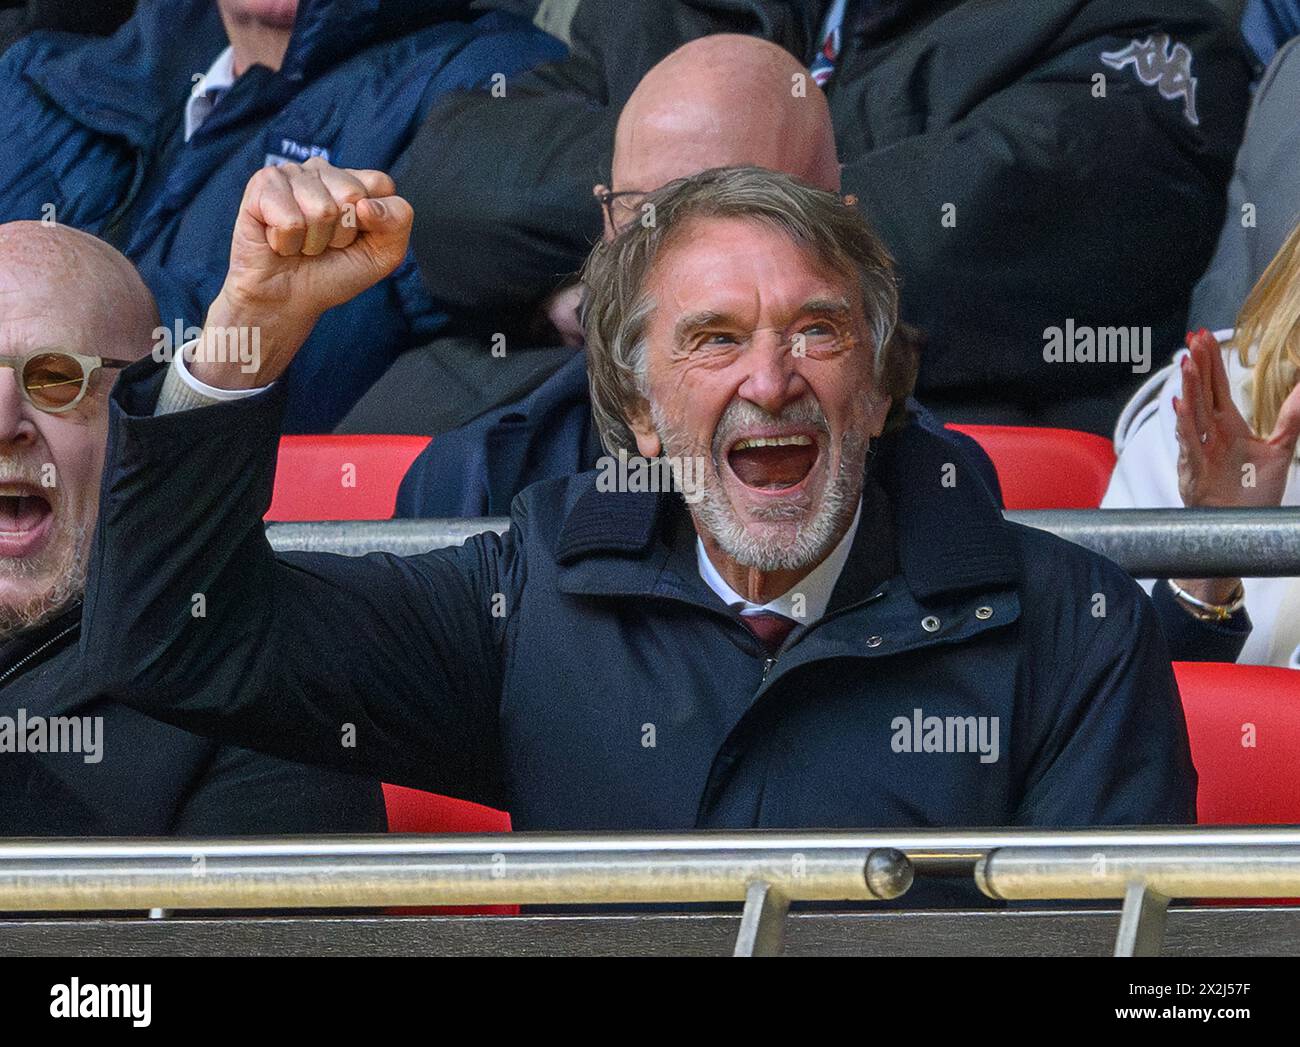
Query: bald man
{"points": [[720, 101], [72, 313], [724, 101]]}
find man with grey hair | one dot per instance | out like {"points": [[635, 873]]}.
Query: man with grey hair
{"points": [[768, 443], [830, 625]]}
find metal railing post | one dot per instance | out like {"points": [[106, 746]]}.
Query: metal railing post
{"points": [[1142, 921], [762, 924]]}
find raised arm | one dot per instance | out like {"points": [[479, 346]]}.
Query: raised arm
{"points": [[376, 664]]}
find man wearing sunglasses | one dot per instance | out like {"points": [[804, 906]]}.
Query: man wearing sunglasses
{"points": [[73, 312]]}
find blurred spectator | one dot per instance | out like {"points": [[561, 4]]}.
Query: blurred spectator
{"points": [[20, 17], [1263, 197], [1015, 196], [716, 101], [73, 762], [149, 137], [1218, 427], [1268, 24]]}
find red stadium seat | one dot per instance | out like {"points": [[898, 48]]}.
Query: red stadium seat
{"points": [[341, 477], [414, 811], [1046, 468], [1244, 725]]}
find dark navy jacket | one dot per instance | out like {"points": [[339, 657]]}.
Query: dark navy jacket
{"points": [[149, 778], [578, 672], [93, 127]]}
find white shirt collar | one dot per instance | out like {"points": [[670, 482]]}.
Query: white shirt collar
{"points": [[220, 77], [814, 589]]}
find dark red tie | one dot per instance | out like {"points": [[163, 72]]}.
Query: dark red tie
{"points": [[770, 628]]}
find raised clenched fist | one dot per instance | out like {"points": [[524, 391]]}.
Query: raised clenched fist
{"points": [[308, 237]]}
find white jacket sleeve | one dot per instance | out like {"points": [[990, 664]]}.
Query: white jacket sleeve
{"points": [[1146, 469]]}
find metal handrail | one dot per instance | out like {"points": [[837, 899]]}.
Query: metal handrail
{"points": [[1226, 871], [937, 847], [527, 868], [765, 869], [243, 875], [1148, 543], [1147, 878]]}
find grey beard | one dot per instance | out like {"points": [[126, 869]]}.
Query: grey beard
{"points": [[716, 516], [69, 586]]}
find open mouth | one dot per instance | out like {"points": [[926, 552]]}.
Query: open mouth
{"points": [[25, 518], [773, 463]]}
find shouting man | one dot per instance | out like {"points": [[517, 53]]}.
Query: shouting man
{"points": [[839, 631]]}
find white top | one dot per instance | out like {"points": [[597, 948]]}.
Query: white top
{"points": [[219, 78], [809, 596], [1146, 477]]}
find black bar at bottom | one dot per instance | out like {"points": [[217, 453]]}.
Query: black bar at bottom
{"points": [[1265, 930]]}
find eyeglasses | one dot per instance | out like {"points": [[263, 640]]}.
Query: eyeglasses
{"points": [[55, 381], [626, 200]]}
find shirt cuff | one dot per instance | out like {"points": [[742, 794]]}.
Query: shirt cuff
{"points": [[181, 391]]}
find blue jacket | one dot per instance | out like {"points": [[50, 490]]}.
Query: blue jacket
{"points": [[578, 672], [93, 128], [1268, 24]]}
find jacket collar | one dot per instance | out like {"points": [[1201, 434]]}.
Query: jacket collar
{"points": [[949, 534]]}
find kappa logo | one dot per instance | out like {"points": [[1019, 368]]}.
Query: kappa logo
{"points": [[1157, 64]]}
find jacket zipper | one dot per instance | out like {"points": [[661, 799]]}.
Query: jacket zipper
{"points": [[770, 661], [32, 654]]}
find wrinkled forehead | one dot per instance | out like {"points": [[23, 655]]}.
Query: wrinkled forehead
{"points": [[40, 311], [68, 295]]}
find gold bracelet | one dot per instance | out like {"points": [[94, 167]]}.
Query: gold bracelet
{"points": [[1209, 612]]}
